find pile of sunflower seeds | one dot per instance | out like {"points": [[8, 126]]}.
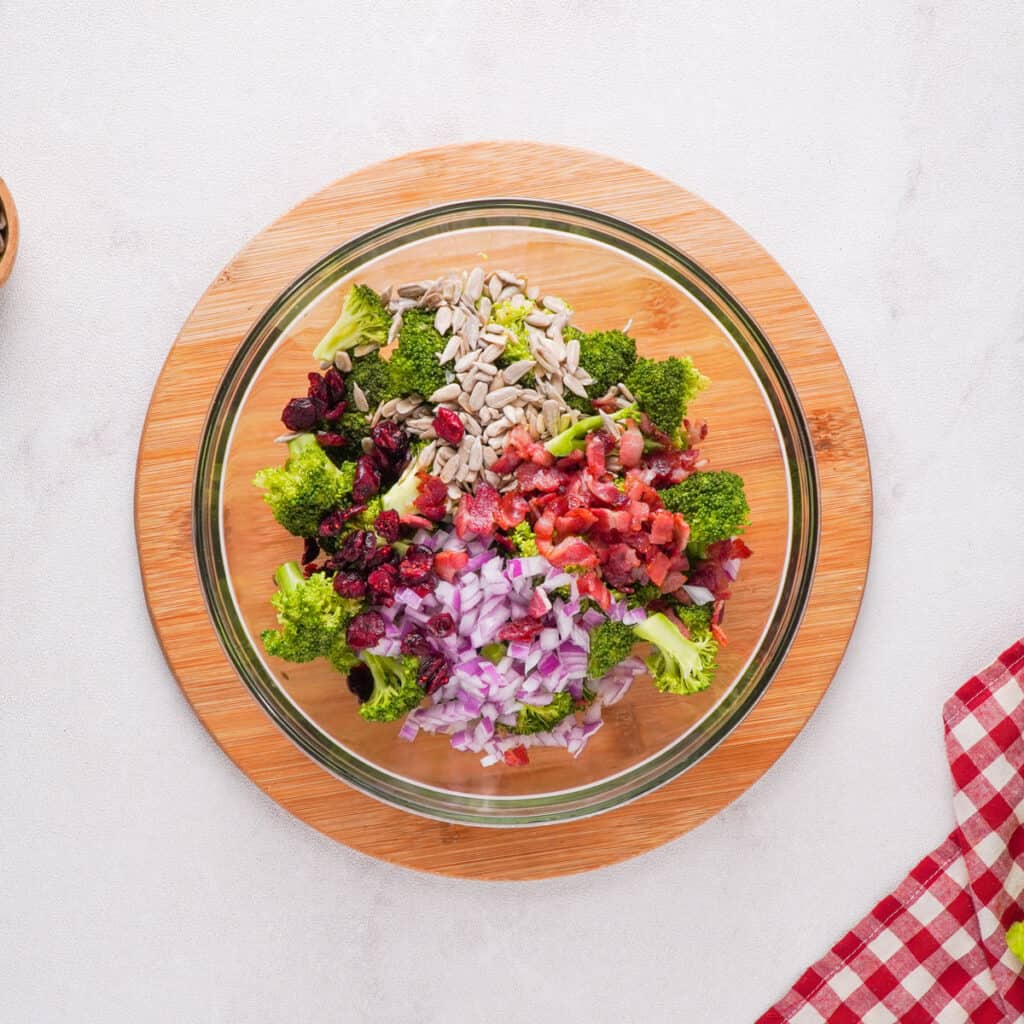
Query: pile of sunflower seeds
{"points": [[489, 400]]}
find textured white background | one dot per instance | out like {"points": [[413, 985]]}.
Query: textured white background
{"points": [[875, 148]]}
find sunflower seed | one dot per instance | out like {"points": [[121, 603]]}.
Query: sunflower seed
{"points": [[446, 394], [572, 354], [583, 377], [443, 319], [538, 423], [474, 284], [426, 455], [492, 478], [552, 414], [533, 293], [629, 323], [487, 414], [487, 369], [513, 413], [501, 395], [412, 290], [451, 467], [489, 354], [420, 425], [449, 351], [406, 405], [465, 403], [396, 326], [442, 456], [401, 305], [325, 364], [476, 456], [454, 492], [471, 331], [478, 396], [514, 371], [389, 408], [494, 287], [507, 276], [557, 324], [555, 304], [498, 428], [343, 362], [285, 438], [458, 319], [609, 424], [507, 293], [367, 444], [365, 350], [471, 425], [574, 385], [463, 363], [359, 397], [626, 393], [539, 319]]}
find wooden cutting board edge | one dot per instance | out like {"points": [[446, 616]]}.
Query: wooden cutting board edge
{"points": [[193, 369]]}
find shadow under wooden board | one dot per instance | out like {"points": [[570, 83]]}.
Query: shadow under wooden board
{"points": [[219, 323]]}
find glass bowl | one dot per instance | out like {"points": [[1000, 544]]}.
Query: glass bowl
{"points": [[612, 272]]}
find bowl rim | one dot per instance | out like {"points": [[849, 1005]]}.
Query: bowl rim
{"points": [[409, 794]]}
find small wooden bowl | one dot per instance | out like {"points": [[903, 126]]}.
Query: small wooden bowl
{"points": [[10, 251]]}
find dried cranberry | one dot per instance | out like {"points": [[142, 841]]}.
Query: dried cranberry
{"points": [[367, 479], [448, 426], [434, 672], [426, 587], [366, 630], [383, 581], [360, 682], [331, 439], [300, 414], [416, 643], [390, 438], [432, 499], [309, 568], [381, 554], [359, 545], [335, 384], [417, 565], [318, 393], [335, 412], [388, 525], [523, 629], [310, 550], [441, 624], [349, 584], [332, 524], [503, 542]]}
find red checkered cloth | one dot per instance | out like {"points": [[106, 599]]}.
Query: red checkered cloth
{"points": [[935, 950]]}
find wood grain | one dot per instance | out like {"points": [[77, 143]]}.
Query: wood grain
{"points": [[219, 323], [10, 253]]}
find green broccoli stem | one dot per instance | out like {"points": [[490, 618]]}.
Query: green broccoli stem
{"points": [[289, 576], [681, 657], [401, 497], [570, 438]]}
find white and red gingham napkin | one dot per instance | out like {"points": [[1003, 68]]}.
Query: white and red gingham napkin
{"points": [[935, 949]]}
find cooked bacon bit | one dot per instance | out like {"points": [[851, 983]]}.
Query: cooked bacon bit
{"points": [[590, 586], [523, 630], [448, 563], [575, 521], [658, 569], [631, 448], [719, 634], [597, 448], [540, 604], [516, 757], [512, 509], [662, 527], [476, 512]]}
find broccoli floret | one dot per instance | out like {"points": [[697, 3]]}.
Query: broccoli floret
{"points": [[663, 389], [308, 486], [608, 356], [373, 375], [541, 718], [573, 436], [414, 367], [1015, 940], [518, 347], [610, 644], [353, 426], [311, 615], [494, 652], [696, 618], [395, 690], [677, 665], [364, 319], [524, 540], [714, 505]]}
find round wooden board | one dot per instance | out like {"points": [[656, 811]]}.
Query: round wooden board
{"points": [[217, 326]]}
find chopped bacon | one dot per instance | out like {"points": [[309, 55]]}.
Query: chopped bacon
{"points": [[506, 463], [620, 565], [590, 585], [512, 509], [540, 604], [604, 491], [610, 519], [719, 634], [577, 520], [532, 477], [662, 527], [571, 551], [476, 512], [597, 448], [521, 442], [448, 563], [658, 569], [631, 448]]}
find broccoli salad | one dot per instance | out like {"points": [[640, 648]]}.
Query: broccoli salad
{"points": [[504, 519]]}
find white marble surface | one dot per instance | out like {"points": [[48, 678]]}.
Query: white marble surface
{"points": [[876, 148]]}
